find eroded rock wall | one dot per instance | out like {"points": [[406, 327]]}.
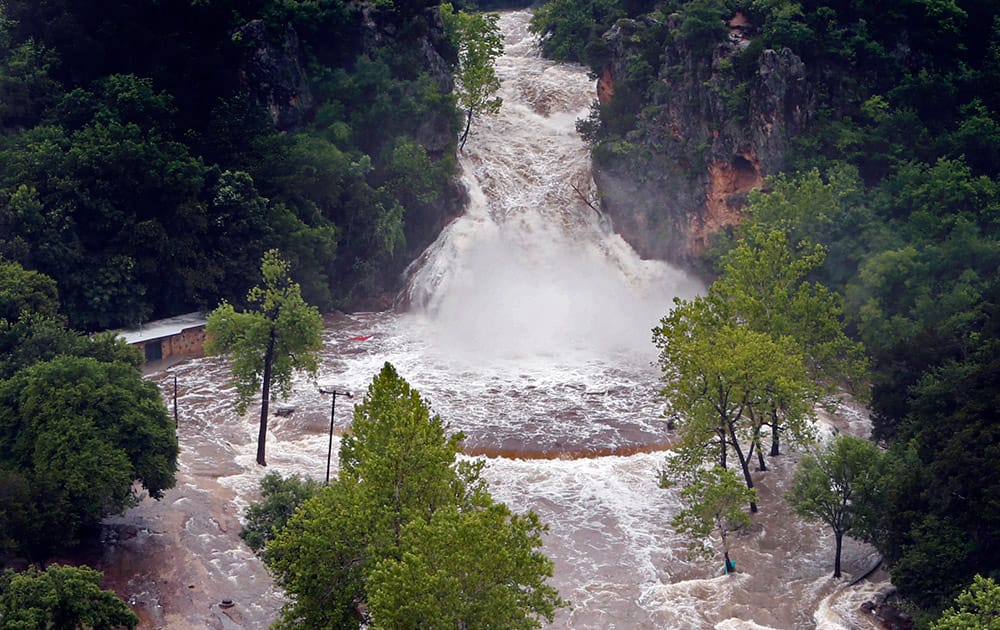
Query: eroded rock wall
{"points": [[714, 129]]}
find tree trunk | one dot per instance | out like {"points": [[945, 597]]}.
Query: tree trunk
{"points": [[836, 559], [465, 134], [756, 446], [760, 458], [745, 465], [265, 397], [749, 480], [722, 449], [774, 434]]}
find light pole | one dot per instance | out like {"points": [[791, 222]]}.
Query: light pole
{"points": [[333, 409]]}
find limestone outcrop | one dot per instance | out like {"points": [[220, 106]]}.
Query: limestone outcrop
{"points": [[712, 132]]}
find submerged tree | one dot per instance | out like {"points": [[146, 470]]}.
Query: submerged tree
{"points": [[720, 378], [832, 485], [714, 501], [763, 285], [406, 536], [479, 42], [268, 344]]}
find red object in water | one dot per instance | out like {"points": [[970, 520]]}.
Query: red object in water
{"points": [[361, 338]]}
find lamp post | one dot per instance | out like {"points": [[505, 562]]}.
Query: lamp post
{"points": [[333, 409]]}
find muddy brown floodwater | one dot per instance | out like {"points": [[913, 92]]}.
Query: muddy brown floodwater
{"points": [[176, 560], [616, 558]]}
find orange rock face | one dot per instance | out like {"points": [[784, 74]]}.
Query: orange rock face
{"points": [[605, 87], [729, 182]]}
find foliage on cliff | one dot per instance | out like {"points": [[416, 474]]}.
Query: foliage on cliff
{"points": [[151, 152], [890, 160]]}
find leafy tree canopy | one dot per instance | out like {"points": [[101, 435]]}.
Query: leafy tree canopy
{"points": [[975, 608], [76, 433], [459, 568], [60, 597], [172, 177], [24, 292], [406, 536]]}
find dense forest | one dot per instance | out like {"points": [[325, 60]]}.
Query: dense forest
{"points": [[896, 177], [152, 151]]}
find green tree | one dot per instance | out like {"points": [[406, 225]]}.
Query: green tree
{"points": [[321, 557], [23, 291], [935, 561], [268, 344], [405, 522], [279, 498], [102, 229], [720, 377], [26, 89], [975, 608], [714, 500], [571, 30], [60, 597], [18, 517], [80, 432], [479, 42], [702, 25], [763, 284], [830, 485], [34, 338], [471, 569], [32, 330], [827, 208]]}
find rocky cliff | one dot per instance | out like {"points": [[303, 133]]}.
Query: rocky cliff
{"points": [[715, 127], [272, 73]]}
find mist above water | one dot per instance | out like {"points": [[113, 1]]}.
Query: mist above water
{"points": [[510, 301]]}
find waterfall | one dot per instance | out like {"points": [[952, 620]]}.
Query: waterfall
{"points": [[530, 267]]}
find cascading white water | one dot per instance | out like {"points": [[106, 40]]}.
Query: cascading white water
{"points": [[529, 269], [530, 332]]}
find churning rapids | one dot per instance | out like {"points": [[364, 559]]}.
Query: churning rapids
{"points": [[529, 330]]}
